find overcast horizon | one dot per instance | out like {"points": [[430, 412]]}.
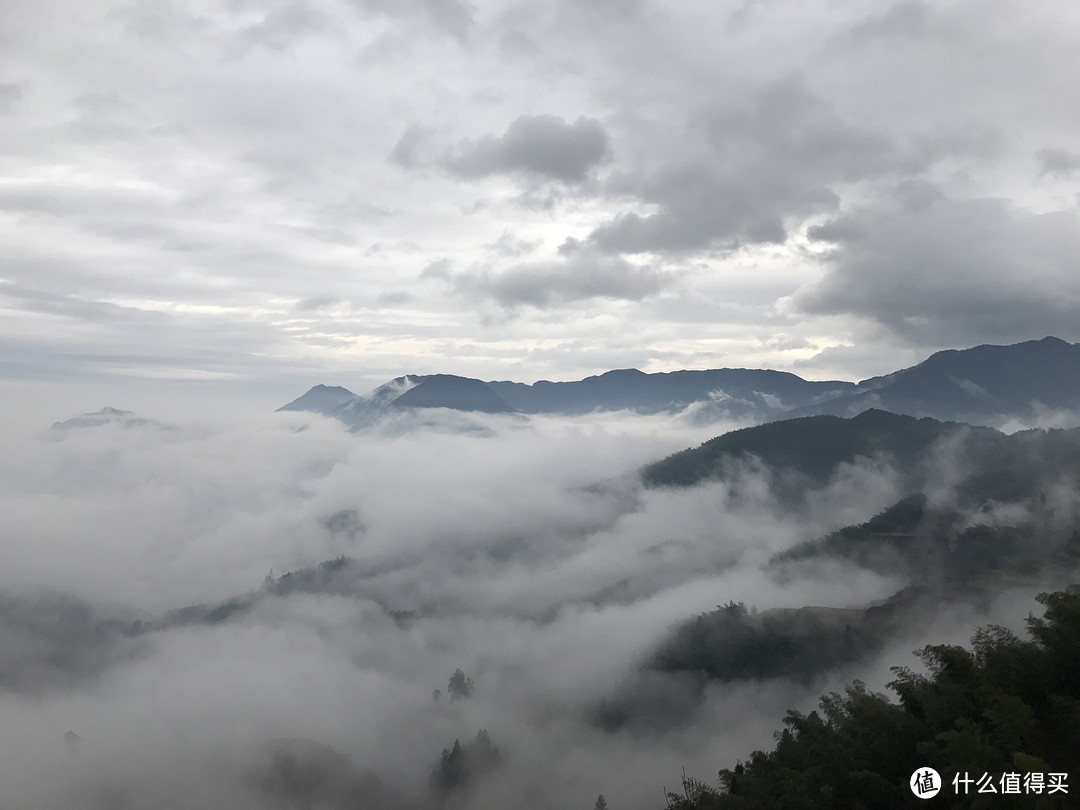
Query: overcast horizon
{"points": [[268, 195]]}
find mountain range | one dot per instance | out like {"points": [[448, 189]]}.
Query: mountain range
{"points": [[986, 384], [106, 416]]}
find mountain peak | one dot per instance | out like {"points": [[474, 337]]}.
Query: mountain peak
{"points": [[452, 391], [320, 398], [105, 416]]}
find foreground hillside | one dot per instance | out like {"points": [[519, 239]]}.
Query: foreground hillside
{"points": [[1000, 718]]}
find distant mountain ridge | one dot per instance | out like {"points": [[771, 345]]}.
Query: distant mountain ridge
{"points": [[717, 393], [734, 390], [324, 399], [972, 385], [105, 417], [982, 385]]}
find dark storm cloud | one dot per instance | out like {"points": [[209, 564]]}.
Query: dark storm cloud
{"points": [[578, 277], [781, 156], [545, 146], [952, 272]]}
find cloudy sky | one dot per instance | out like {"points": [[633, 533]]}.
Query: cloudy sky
{"points": [[347, 190]]}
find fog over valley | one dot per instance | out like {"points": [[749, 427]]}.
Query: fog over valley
{"points": [[257, 614]]}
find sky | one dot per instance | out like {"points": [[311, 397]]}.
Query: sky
{"points": [[259, 196]]}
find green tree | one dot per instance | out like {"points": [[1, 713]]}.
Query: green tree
{"points": [[460, 686], [1007, 705]]}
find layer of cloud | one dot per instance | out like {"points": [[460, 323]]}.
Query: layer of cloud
{"points": [[578, 277], [9, 95], [943, 271], [222, 163], [781, 158], [546, 589], [543, 146]]}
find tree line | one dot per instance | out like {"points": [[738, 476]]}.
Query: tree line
{"points": [[1006, 707]]}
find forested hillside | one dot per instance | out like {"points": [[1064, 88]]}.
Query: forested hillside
{"points": [[998, 713]]}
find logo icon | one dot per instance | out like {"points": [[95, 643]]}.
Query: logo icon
{"points": [[925, 783]]}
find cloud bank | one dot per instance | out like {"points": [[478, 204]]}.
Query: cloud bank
{"points": [[258, 613]]}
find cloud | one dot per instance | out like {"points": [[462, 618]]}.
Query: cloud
{"points": [[530, 558], [544, 146], [951, 272], [406, 151], [249, 156], [9, 95], [284, 25], [780, 157], [906, 18], [451, 17], [579, 277], [509, 246], [1056, 161]]}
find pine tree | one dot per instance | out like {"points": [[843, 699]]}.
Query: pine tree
{"points": [[460, 686]]}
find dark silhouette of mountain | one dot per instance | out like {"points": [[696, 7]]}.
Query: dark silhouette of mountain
{"points": [[400, 394], [360, 411], [811, 447], [324, 399], [718, 393], [739, 392], [982, 385], [979, 511], [457, 393], [106, 416], [978, 385]]}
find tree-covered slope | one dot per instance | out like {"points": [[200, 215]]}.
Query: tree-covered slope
{"points": [[1003, 710], [812, 446]]}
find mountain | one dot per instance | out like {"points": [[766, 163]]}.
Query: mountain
{"points": [[730, 392], [324, 399], [988, 385], [980, 385], [974, 502], [360, 411], [406, 395], [978, 512], [755, 394], [106, 416], [456, 393], [810, 448]]}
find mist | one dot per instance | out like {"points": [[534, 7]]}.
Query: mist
{"points": [[257, 613]]}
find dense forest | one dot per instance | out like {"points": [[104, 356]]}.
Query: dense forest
{"points": [[1001, 714]]}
